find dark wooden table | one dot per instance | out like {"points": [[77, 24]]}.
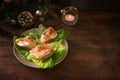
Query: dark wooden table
{"points": [[94, 51]]}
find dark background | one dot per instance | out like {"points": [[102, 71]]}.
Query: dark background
{"points": [[86, 5], [91, 5], [105, 5]]}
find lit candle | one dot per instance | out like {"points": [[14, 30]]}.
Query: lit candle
{"points": [[69, 17]]}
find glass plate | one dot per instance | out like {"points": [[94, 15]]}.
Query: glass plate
{"points": [[32, 64]]}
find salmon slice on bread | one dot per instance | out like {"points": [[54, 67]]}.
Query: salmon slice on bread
{"points": [[48, 35], [42, 52]]}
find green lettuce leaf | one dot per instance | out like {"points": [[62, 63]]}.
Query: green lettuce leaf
{"points": [[49, 63], [42, 28], [59, 50], [62, 34]]}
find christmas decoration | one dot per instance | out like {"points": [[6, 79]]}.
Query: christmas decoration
{"points": [[25, 19], [40, 9], [38, 13]]}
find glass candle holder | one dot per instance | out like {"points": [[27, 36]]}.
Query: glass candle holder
{"points": [[69, 15]]}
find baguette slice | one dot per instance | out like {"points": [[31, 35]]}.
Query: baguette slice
{"points": [[48, 35], [26, 42]]}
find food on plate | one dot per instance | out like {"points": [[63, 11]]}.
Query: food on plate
{"points": [[42, 46], [48, 35], [42, 51], [26, 42]]}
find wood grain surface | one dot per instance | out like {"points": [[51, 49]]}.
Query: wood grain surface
{"points": [[94, 51]]}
